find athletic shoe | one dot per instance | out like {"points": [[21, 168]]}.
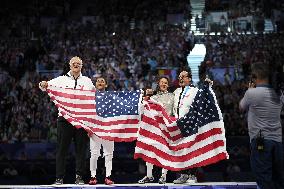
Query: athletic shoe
{"points": [[93, 181], [182, 179], [108, 181], [162, 180], [58, 181], [79, 180], [146, 180]]}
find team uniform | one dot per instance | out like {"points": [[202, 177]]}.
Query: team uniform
{"points": [[167, 101], [182, 102]]}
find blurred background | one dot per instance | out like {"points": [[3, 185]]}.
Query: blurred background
{"points": [[131, 43]]}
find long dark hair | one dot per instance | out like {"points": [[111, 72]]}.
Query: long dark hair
{"points": [[102, 77]]}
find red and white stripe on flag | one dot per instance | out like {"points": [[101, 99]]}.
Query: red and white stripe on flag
{"points": [[160, 142], [79, 108]]}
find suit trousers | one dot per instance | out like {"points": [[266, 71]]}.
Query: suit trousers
{"points": [[65, 134]]}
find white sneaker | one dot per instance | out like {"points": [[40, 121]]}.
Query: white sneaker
{"points": [[162, 180], [191, 180], [146, 180], [182, 179]]}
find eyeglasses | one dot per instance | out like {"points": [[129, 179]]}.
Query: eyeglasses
{"points": [[184, 76]]}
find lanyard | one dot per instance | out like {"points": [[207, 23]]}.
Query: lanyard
{"points": [[185, 91]]}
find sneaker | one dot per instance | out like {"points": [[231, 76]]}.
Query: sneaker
{"points": [[146, 180], [182, 179], [93, 181], [108, 181], [79, 180], [58, 181], [162, 180], [191, 180]]}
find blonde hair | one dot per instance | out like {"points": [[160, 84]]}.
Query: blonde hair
{"points": [[75, 59]]}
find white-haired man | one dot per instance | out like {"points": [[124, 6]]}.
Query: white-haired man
{"points": [[65, 131]]}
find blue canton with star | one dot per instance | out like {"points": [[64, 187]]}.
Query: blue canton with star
{"points": [[202, 111], [117, 103]]}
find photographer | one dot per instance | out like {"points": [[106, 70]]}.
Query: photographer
{"points": [[264, 106]]}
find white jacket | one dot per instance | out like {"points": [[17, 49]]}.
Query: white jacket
{"points": [[187, 97], [68, 81]]}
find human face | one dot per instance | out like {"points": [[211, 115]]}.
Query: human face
{"points": [[101, 84], [163, 84], [184, 79], [75, 67]]}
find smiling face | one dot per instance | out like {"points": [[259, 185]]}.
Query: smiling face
{"points": [[101, 84], [163, 84], [75, 68], [76, 65], [184, 79]]}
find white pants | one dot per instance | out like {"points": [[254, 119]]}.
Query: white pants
{"points": [[95, 148], [150, 170]]}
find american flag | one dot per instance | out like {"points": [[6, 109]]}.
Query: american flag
{"points": [[112, 116], [195, 140], [202, 112]]}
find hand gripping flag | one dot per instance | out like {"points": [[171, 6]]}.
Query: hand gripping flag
{"points": [[195, 140], [110, 115]]}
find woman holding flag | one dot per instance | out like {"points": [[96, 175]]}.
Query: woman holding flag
{"points": [[166, 99], [162, 142], [95, 146]]}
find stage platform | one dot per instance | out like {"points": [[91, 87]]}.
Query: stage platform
{"points": [[205, 185]]}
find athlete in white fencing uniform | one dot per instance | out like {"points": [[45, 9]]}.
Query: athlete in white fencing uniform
{"points": [[182, 101], [179, 111], [95, 147], [167, 100]]}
